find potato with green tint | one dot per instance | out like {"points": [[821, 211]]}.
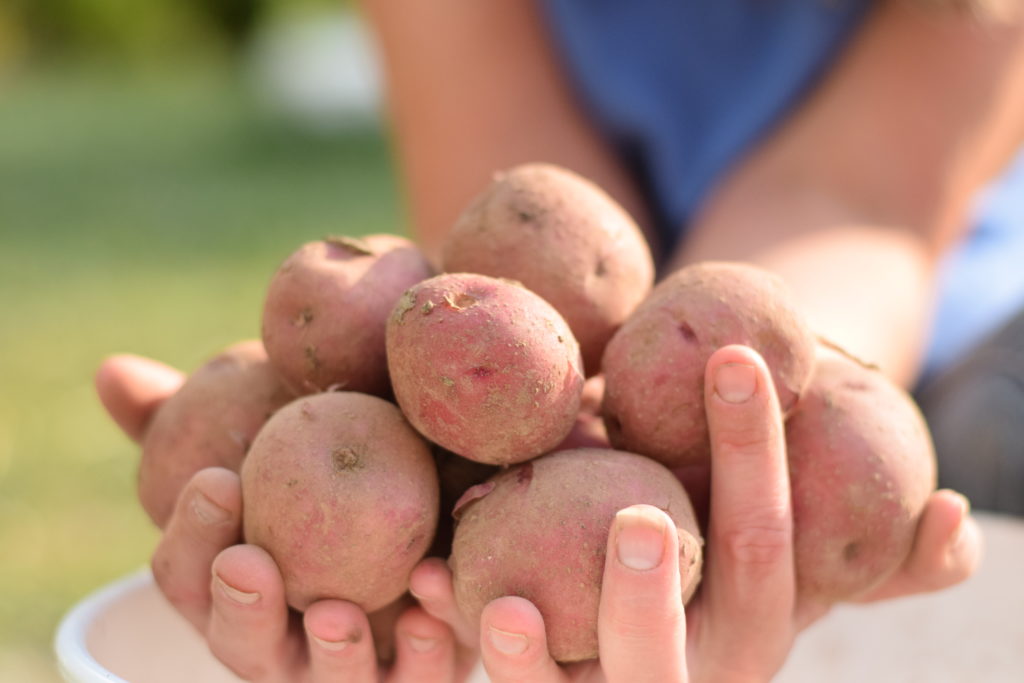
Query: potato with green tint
{"points": [[540, 531], [209, 422], [564, 238], [861, 470], [326, 308], [343, 494], [484, 367], [654, 365]]}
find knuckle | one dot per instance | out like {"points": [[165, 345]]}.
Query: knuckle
{"points": [[644, 622], [742, 439], [758, 546]]}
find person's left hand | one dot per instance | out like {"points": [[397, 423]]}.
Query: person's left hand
{"points": [[741, 624]]}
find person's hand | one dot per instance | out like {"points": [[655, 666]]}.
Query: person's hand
{"points": [[741, 624], [642, 626], [234, 595]]}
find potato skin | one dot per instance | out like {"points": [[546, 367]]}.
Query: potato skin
{"points": [[484, 367], [654, 365], [343, 494], [564, 238], [326, 308], [861, 470], [540, 531], [209, 422]]}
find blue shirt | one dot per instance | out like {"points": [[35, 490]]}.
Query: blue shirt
{"points": [[683, 88]]}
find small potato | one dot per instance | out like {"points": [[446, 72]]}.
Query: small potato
{"points": [[861, 470], [484, 367], [209, 422], [540, 531], [654, 365], [563, 238], [343, 494], [326, 308]]}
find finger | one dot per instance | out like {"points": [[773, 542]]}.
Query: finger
{"points": [[431, 584], [206, 520], [425, 649], [131, 388], [641, 624], [249, 619], [340, 643], [750, 582], [513, 643], [947, 549]]}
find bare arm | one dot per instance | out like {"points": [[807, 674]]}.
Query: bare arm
{"points": [[854, 196], [475, 87]]}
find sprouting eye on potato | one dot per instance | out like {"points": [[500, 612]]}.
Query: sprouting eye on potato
{"points": [[389, 397]]}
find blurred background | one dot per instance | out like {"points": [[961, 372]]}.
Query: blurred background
{"points": [[158, 160]]}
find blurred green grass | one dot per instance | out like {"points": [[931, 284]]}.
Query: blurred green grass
{"points": [[141, 213]]}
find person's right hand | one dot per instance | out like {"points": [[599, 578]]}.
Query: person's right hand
{"points": [[233, 593]]}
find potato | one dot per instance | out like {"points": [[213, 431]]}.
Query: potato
{"points": [[484, 367], [540, 531], [326, 308], [563, 238], [861, 470], [343, 494], [654, 365], [209, 422]]}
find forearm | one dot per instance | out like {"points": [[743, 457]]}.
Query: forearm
{"points": [[474, 88], [862, 286], [857, 194]]}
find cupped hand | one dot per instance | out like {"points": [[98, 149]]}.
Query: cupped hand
{"points": [[233, 593], [741, 624], [739, 627]]}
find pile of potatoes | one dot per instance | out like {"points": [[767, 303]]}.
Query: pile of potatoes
{"points": [[500, 412]]}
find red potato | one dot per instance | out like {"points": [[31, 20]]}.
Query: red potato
{"points": [[326, 309], [343, 494], [564, 238], [484, 367], [209, 422], [540, 531], [861, 470], [654, 365]]}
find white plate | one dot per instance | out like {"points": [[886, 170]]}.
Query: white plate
{"points": [[973, 633]]}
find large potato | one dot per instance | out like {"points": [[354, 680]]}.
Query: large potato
{"points": [[209, 422], [654, 365], [326, 308], [540, 531], [861, 470], [484, 367], [343, 494], [564, 238]]}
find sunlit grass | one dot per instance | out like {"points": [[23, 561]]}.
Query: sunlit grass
{"points": [[146, 216]]}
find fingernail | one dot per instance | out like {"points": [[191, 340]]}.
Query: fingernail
{"points": [[332, 645], [208, 512], [735, 382], [640, 539], [422, 644], [508, 643], [234, 594]]}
